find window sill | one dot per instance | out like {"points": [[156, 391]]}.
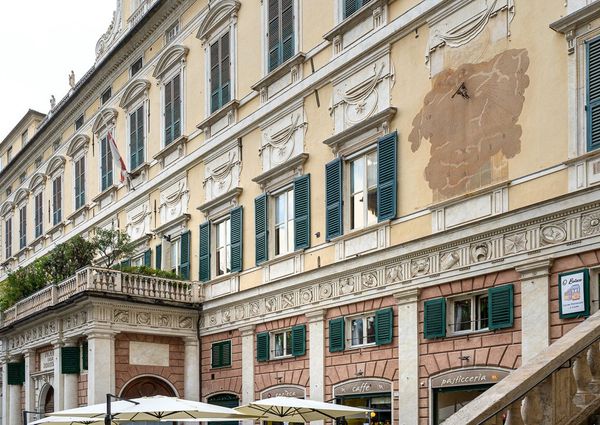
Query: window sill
{"points": [[286, 357], [279, 72], [219, 367], [380, 119], [467, 333], [58, 227], [81, 212], [226, 110], [358, 347], [352, 20], [176, 144], [109, 192]]}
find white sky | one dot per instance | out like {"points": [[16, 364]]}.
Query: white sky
{"points": [[41, 41]]}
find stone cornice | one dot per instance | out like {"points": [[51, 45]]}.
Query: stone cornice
{"points": [[578, 18]]}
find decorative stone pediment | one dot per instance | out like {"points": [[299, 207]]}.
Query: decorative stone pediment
{"points": [[363, 91], [107, 39], [7, 208], [138, 221], [21, 196], [105, 118], [56, 165], [170, 57], [37, 181], [134, 91], [174, 200], [78, 144], [218, 13]]}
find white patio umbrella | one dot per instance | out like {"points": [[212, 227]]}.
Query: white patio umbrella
{"points": [[155, 408], [68, 420], [288, 409]]}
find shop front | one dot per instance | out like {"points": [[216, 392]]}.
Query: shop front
{"points": [[283, 391], [373, 394], [450, 391]]}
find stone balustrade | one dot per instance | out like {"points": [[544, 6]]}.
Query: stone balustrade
{"points": [[559, 386], [139, 13], [94, 279]]}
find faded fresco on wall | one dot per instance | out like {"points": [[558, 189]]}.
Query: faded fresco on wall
{"points": [[470, 119]]}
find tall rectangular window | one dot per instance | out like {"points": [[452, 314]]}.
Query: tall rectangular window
{"points": [[56, 200], [106, 95], [22, 227], [220, 74], [172, 111], [79, 122], [24, 137], [106, 164], [39, 214], [79, 183], [593, 93], [136, 138], [280, 32], [8, 238], [284, 222], [9, 155], [223, 246], [363, 191], [175, 255], [136, 67], [351, 6]]}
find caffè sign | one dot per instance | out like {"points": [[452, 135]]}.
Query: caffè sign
{"points": [[363, 386], [464, 377], [289, 391]]}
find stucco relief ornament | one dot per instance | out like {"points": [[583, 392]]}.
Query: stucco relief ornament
{"points": [[449, 260], [239, 312], [185, 322], [226, 316], [553, 234], [325, 290], [164, 320], [361, 100], [221, 176], [306, 296], [480, 252], [515, 243], [254, 308], [270, 304], [347, 285], [369, 280], [212, 320], [394, 274], [420, 267], [281, 144], [143, 318], [287, 300], [121, 316], [590, 224]]}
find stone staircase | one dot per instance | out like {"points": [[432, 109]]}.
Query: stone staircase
{"points": [[560, 386]]}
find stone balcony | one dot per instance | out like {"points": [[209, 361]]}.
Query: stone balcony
{"points": [[106, 282], [139, 12]]}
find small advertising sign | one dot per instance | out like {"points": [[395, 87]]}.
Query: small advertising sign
{"points": [[574, 294]]}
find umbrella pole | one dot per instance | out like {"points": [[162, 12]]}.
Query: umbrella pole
{"points": [[29, 412], [109, 397]]}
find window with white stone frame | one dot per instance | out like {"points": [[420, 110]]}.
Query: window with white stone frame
{"points": [[362, 175], [222, 233], [281, 341], [22, 226], [38, 214], [468, 313], [8, 237], [283, 221], [360, 330], [57, 199]]}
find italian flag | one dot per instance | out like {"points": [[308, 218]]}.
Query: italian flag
{"points": [[119, 163]]}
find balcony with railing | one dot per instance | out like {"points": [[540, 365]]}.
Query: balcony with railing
{"points": [[143, 8], [105, 281], [560, 386]]}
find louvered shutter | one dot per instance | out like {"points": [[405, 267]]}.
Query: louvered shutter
{"points": [[384, 326], [126, 263], [106, 163], [16, 373], [204, 252], [70, 360], [299, 340], [215, 71], [184, 266], [336, 335], [302, 212], [158, 257], [593, 93], [273, 36], [260, 228], [84, 355], [148, 258], [386, 176], [216, 355], [287, 30], [333, 199], [133, 161], [350, 6], [236, 229], [168, 113], [262, 347], [500, 307], [225, 87], [226, 353], [176, 107], [435, 318]]}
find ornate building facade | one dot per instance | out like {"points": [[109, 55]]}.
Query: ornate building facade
{"points": [[374, 201]]}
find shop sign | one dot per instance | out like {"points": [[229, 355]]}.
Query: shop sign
{"points": [[574, 290], [463, 377], [295, 392], [363, 386], [47, 360]]}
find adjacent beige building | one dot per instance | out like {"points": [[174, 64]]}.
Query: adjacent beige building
{"points": [[369, 201]]}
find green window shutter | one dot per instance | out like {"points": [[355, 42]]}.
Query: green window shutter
{"points": [[184, 266], [70, 357], [16, 373], [84, 355], [225, 90], [226, 353], [337, 335], [126, 263], [299, 340], [204, 252], [386, 176], [260, 228], [500, 307], [593, 93], [236, 229], [148, 258], [435, 318], [216, 355], [384, 326], [262, 347], [302, 212], [287, 30], [333, 199], [168, 112], [273, 36], [158, 257]]}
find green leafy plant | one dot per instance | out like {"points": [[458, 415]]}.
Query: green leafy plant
{"points": [[112, 245], [148, 271]]}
